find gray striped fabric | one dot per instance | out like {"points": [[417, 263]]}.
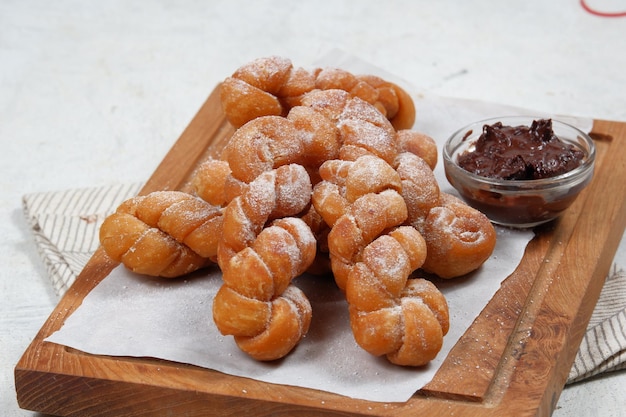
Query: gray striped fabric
{"points": [[603, 348], [65, 226]]}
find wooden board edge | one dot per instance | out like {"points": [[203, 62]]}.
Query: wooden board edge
{"points": [[565, 299]]}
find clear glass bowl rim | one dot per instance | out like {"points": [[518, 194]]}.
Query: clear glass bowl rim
{"points": [[574, 176]]}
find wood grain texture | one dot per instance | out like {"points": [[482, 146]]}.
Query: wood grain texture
{"points": [[513, 360]]}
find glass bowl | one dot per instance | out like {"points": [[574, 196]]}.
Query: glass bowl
{"points": [[518, 203]]}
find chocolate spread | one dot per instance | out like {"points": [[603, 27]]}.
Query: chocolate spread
{"points": [[520, 152]]}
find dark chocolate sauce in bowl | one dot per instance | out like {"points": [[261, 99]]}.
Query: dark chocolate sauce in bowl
{"points": [[517, 170], [520, 153]]}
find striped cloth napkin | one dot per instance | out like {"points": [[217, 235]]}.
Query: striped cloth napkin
{"points": [[65, 226]]}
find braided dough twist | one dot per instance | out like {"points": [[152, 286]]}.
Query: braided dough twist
{"points": [[272, 86], [404, 319], [262, 249], [459, 238], [372, 256], [165, 233]]}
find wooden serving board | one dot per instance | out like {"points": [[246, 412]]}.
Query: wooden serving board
{"points": [[513, 360]]}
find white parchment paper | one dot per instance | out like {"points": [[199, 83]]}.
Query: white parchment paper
{"points": [[132, 315]]}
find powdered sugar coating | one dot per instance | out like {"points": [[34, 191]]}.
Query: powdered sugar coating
{"points": [[419, 187], [459, 238], [259, 259], [260, 145], [370, 174], [329, 103], [267, 73], [293, 190]]}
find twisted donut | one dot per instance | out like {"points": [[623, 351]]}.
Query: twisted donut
{"points": [[459, 238], [372, 256], [272, 86], [165, 233], [262, 249], [358, 200], [404, 319]]}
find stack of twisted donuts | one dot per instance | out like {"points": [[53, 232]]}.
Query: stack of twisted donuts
{"points": [[322, 174]]}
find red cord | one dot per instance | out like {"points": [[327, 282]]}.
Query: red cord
{"points": [[594, 12]]}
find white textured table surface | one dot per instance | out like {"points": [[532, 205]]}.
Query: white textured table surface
{"points": [[95, 93]]}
